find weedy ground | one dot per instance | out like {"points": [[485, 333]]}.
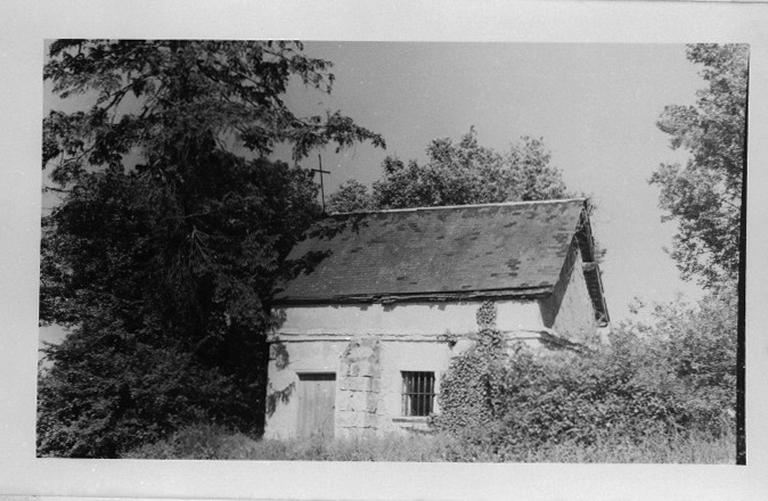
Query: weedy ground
{"points": [[212, 442]]}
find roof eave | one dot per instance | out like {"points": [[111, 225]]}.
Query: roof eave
{"points": [[462, 206], [591, 269], [383, 298]]}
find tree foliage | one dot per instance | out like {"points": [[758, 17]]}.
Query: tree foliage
{"points": [[468, 173], [697, 342], [154, 94], [704, 196], [352, 196], [164, 250], [459, 173]]}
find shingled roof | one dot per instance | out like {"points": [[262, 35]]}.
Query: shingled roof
{"points": [[506, 249]]}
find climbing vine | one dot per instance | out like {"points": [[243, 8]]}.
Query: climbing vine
{"points": [[470, 389]]}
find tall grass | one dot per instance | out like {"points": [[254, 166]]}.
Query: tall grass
{"points": [[692, 449], [213, 442]]}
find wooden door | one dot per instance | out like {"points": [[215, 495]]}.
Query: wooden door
{"points": [[317, 404]]}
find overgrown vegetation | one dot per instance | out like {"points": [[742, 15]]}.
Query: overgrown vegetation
{"points": [[662, 390], [216, 442], [658, 380], [469, 392]]}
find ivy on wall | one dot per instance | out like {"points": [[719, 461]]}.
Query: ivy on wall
{"points": [[469, 389]]}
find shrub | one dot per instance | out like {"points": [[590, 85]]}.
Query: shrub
{"points": [[582, 398], [197, 441], [668, 379]]}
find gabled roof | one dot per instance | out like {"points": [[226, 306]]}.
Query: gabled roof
{"points": [[507, 249]]}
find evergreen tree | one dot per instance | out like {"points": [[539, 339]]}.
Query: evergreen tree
{"points": [[166, 245]]}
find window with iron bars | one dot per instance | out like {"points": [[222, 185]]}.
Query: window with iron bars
{"points": [[418, 393]]}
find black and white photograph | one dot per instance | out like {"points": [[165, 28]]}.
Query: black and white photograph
{"points": [[298, 253], [391, 251]]}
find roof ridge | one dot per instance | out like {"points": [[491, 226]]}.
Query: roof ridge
{"points": [[467, 206]]}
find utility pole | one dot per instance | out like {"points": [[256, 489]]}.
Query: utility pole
{"points": [[321, 172]]}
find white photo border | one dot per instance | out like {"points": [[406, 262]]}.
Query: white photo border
{"points": [[24, 25]]}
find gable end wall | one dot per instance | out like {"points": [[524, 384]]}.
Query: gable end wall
{"points": [[569, 310]]}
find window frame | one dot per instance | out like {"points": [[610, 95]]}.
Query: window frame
{"points": [[417, 394]]}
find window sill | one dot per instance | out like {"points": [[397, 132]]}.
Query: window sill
{"points": [[410, 419]]}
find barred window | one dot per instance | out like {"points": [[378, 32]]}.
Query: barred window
{"points": [[418, 393]]}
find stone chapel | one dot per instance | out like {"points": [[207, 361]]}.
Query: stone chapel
{"points": [[381, 301]]}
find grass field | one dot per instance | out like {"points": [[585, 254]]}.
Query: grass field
{"points": [[211, 442]]}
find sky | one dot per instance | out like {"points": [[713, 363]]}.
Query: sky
{"points": [[594, 105]]}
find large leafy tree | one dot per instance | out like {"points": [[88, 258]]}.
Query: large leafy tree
{"points": [[467, 172], [458, 173], [704, 195], [163, 252]]}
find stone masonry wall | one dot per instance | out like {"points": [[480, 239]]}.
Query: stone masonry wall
{"points": [[359, 403]]}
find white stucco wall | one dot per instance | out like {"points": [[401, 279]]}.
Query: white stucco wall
{"points": [[299, 357], [408, 337], [406, 318], [323, 356], [575, 319], [405, 356], [412, 338]]}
